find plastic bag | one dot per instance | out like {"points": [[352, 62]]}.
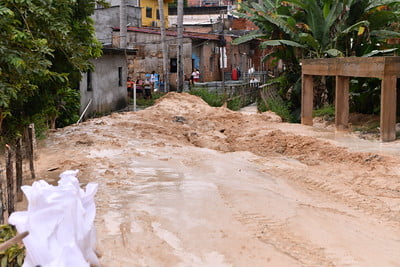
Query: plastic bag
{"points": [[60, 223]]}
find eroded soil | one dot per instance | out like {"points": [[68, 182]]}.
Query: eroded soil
{"points": [[185, 184]]}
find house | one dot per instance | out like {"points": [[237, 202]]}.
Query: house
{"points": [[219, 57], [105, 86], [147, 42]]}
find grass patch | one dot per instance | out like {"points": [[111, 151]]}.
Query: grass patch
{"points": [[235, 104], [213, 99], [327, 110], [141, 102]]}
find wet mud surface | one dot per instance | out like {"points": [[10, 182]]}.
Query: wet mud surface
{"points": [[185, 184]]}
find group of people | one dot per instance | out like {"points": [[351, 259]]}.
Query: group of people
{"points": [[144, 88]]}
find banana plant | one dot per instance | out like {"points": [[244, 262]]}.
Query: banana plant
{"points": [[321, 28]]}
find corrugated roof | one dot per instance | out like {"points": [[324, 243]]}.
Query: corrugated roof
{"points": [[150, 30]]}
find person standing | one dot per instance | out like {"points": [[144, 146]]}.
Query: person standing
{"points": [[196, 75], [129, 87], [153, 80]]}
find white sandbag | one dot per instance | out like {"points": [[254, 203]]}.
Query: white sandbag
{"points": [[60, 223]]}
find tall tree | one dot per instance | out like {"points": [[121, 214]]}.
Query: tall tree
{"points": [[44, 47]]}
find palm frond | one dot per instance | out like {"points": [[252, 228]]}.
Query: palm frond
{"points": [[376, 52], [248, 37], [265, 44]]}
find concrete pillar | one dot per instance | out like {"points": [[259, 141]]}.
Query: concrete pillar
{"points": [[307, 94], [342, 103], [388, 108]]}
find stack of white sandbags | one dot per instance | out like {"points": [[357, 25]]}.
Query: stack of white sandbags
{"points": [[60, 223]]}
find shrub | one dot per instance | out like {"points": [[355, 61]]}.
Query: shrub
{"points": [[213, 99], [235, 104], [280, 108], [327, 110]]}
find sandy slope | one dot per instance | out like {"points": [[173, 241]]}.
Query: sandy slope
{"points": [[184, 184]]}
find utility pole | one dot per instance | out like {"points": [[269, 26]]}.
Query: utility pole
{"points": [[164, 46], [223, 49], [180, 46], [122, 24]]}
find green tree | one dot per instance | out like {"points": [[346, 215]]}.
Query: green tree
{"points": [[44, 46]]}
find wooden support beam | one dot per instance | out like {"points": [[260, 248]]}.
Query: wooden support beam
{"points": [[307, 93], [388, 108], [342, 103]]}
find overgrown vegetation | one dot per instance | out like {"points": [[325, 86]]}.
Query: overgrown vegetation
{"points": [[212, 98], [327, 110], [279, 107], [142, 102], [44, 46], [217, 100], [13, 256], [294, 30]]}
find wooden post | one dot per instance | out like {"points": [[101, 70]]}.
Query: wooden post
{"points": [[388, 108], [31, 144], [10, 180], [307, 94], [342, 103], [2, 204], [18, 168]]}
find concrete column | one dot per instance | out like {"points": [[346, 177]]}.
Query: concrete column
{"points": [[388, 108], [307, 94], [342, 103]]}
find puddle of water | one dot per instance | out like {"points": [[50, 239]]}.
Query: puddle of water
{"points": [[212, 258], [104, 153]]}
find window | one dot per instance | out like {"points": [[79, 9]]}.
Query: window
{"points": [[158, 14], [173, 65], [119, 76], [211, 64], [89, 81], [149, 12]]}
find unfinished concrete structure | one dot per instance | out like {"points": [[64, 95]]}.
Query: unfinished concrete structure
{"points": [[385, 68], [105, 86]]}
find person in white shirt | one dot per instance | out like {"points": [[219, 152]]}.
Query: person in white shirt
{"points": [[254, 81], [196, 75]]}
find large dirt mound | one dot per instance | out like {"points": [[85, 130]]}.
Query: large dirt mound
{"points": [[188, 118]]}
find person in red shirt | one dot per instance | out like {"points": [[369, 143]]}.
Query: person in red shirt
{"points": [[129, 87]]}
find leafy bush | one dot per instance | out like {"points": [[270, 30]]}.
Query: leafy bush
{"points": [[327, 110], [213, 99], [235, 104], [13, 256], [280, 108]]}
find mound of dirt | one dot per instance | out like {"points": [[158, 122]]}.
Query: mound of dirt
{"points": [[189, 119]]}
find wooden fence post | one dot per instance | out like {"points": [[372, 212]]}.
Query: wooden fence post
{"points": [[31, 149], [2, 204], [10, 180], [18, 168]]}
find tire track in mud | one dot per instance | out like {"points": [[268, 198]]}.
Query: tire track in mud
{"points": [[345, 191], [274, 232]]}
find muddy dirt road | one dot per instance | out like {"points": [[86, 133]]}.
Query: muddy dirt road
{"points": [[184, 184]]}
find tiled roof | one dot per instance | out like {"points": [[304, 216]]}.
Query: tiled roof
{"points": [[195, 35]]}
